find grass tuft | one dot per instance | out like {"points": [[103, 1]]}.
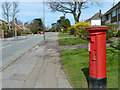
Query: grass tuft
{"points": [[71, 41], [76, 64]]}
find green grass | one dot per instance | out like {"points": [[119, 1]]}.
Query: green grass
{"points": [[76, 64], [72, 41], [65, 35]]}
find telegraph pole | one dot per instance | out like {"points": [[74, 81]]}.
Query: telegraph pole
{"points": [[44, 18]]}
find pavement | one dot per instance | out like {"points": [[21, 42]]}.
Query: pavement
{"points": [[68, 47], [38, 68], [13, 48]]}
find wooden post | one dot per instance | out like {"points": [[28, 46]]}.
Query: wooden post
{"points": [[15, 33], [3, 34]]}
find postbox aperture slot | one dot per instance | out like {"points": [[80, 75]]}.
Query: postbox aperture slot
{"points": [[88, 38]]}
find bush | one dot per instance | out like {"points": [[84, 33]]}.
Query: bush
{"points": [[21, 32], [80, 29], [65, 30], [27, 32], [8, 34], [4, 27], [113, 30], [72, 30], [115, 44], [118, 34]]}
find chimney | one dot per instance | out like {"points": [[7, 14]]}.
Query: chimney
{"points": [[100, 12]]}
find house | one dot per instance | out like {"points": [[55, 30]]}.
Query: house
{"points": [[112, 16], [1, 21], [19, 27], [15, 25], [25, 28], [95, 19]]}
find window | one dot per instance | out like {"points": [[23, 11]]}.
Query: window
{"points": [[119, 25], [109, 17], [119, 11], [114, 13], [103, 18]]}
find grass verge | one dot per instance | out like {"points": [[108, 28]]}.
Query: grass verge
{"points": [[76, 64], [65, 35], [71, 41]]}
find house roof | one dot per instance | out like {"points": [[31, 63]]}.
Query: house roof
{"points": [[3, 21], [114, 7], [94, 17], [17, 26]]}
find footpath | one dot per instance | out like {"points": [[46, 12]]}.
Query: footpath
{"points": [[39, 68]]}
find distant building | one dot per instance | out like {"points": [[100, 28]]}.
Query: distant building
{"points": [[95, 19], [19, 27], [15, 25], [1, 21], [112, 16], [25, 28]]}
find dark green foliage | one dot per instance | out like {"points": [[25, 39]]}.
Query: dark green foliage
{"points": [[36, 25], [115, 44], [4, 27], [112, 32], [62, 23], [72, 31], [39, 21], [118, 34], [66, 23], [84, 34]]}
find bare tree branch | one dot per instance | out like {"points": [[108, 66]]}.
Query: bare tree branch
{"points": [[74, 7], [6, 11], [15, 11]]}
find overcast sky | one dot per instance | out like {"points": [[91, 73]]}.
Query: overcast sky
{"points": [[32, 10]]}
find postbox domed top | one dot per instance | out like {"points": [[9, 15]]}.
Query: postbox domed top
{"points": [[97, 28]]}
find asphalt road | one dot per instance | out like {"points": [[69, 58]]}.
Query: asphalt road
{"points": [[39, 68], [13, 48]]}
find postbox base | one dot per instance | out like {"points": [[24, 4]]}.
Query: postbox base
{"points": [[97, 82]]}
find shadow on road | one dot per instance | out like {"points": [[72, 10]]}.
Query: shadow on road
{"points": [[86, 73]]}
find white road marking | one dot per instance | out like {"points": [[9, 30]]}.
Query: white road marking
{"points": [[5, 46]]}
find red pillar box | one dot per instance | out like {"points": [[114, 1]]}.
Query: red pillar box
{"points": [[97, 56]]}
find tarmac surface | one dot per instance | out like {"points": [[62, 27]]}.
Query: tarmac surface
{"points": [[13, 48], [39, 68]]}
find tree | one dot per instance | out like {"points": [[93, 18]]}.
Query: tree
{"points": [[54, 26], [33, 27], [74, 7], [66, 23], [39, 23], [6, 8], [6, 11], [36, 25], [15, 11]]}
